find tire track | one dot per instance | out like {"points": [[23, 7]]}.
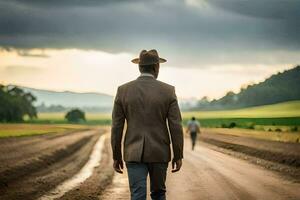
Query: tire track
{"points": [[81, 176], [28, 168], [64, 157]]}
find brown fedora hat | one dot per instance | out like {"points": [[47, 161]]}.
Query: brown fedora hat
{"points": [[148, 58]]}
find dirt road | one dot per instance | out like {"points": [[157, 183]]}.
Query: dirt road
{"points": [[31, 167], [208, 174]]}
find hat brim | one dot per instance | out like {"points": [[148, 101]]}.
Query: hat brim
{"points": [[137, 61]]}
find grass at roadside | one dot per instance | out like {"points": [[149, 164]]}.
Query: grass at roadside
{"points": [[13, 130]]}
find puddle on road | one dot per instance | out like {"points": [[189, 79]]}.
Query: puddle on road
{"points": [[81, 176]]}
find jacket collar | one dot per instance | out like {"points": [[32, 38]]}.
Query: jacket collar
{"points": [[146, 76]]}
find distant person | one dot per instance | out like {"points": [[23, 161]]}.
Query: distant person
{"points": [[193, 127], [149, 107]]}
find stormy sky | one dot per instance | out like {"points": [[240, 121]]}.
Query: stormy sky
{"points": [[219, 36]]}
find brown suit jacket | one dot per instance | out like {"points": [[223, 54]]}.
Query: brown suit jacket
{"points": [[149, 107]]}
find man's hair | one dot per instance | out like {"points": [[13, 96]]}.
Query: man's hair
{"points": [[147, 68], [193, 118]]}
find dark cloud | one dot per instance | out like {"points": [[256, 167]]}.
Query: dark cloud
{"points": [[67, 3], [271, 9], [190, 35], [285, 15]]}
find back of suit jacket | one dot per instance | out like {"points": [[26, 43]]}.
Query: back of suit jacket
{"points": [[149, 107]]}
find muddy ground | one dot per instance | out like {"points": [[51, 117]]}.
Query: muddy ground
{"points": [[278, 156], [93, 187], [31, 166]]}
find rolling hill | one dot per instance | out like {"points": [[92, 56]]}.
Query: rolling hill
{"points": [[281, 87], [71, 99]]}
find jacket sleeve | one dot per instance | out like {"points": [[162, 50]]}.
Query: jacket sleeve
{"points": [[175, 127], [118, 119]]}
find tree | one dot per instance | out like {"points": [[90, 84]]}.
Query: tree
{"points": [[15, 104], [75, 116]]}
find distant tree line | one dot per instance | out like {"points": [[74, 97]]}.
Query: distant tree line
{"points": [[278, 88], [15, 104], [42, 108]]}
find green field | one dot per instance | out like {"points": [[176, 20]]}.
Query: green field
{"points": [[16, 130], [277, 117], [288, 124], [280, 110], [283, 116]]}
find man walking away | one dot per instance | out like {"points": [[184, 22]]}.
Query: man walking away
{"points": [[193, 126], [151, 111]]}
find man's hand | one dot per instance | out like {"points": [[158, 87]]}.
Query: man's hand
{"points": [[178, 165], [118, 166]]}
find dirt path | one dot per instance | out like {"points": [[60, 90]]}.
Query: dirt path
{"points": [[208, 174]]}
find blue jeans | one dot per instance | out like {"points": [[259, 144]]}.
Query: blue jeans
{"points": [[137, 175]]}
